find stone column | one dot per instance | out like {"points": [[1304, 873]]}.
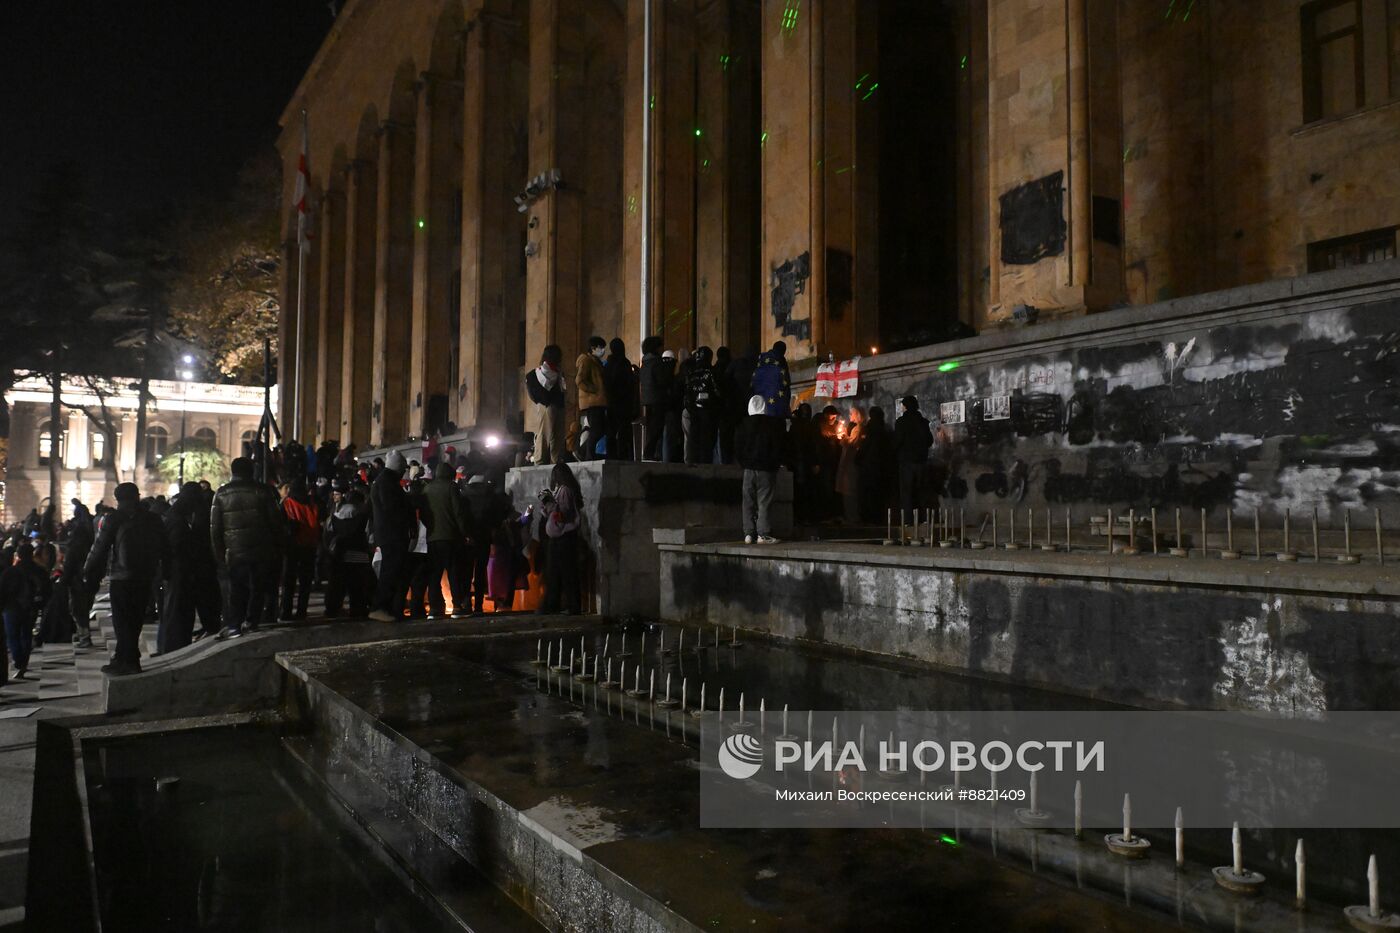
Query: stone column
{"points": [[357, 342], [551, 272], [813, 133], [1055, 143], [330, 334], [393, 284], [436, 236], [76, 453], [493, 170]]}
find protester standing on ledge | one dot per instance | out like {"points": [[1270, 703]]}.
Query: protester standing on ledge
{"points": [[562, 504], [592, 398], [759, 445], [546, 387], [245, 528], [912, 440], [620, 383], [134, 540], [771, 380], [656, 379]]}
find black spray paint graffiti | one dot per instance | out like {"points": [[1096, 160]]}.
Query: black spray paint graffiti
{"points": [[787, 282], [1302, 407], [1033, 221]]}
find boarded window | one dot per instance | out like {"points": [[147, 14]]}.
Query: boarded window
{"points": [[1033, 221], [1355, 250]]}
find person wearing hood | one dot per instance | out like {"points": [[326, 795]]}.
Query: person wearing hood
{"points": [[546, 387], [299, 560], [395, 532], [912, 440], [700, 419], [246, 528], [771, 380], [592, 398], [347, 547], [449, 525], [620, 386], [657, 377], [176, 627], [81, 533], [131, 547], [758, 445]]}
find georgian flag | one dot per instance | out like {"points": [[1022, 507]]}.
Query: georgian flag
{"points": [[303, 192]]}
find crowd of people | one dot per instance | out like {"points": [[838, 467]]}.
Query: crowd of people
{"points": [[712, 407], [381, 538]]}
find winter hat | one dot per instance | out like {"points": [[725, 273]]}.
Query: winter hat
{"points": [[394, 461], [757, 405], [669, 355]]}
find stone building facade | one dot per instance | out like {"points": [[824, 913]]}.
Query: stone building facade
{"points": [[844, 174], [222, 416]]}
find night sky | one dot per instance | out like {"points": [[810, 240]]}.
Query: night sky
{"points": [[155, 100]]}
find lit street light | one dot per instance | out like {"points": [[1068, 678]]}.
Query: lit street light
{"points": [[185, 377]]}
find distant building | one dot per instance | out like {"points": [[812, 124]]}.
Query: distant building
{"points": [[223, 416]]}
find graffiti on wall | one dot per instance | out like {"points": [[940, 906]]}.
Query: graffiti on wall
{"points": [[1299, 411], [787, 281]]}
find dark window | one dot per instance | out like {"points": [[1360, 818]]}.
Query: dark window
{"points": [[1350, 50], [207, 438], [1355, 250], [248, 443]]}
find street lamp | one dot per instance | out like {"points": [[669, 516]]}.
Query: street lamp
{"points": [[185, 376]]}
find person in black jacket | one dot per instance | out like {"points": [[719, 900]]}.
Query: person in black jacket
{"points": [[758, 445], [488, 508], [81, 533], [347, 546], [912, 440], [546, 387], [700, 417], [246, 530], [176, 628], [24, 588], [395, 531], [133, 541], [656, 383], [874, 459], [620, 384]]}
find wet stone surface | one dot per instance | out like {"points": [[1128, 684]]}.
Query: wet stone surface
{"points": [[619, 786]]}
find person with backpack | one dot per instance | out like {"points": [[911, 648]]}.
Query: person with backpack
{"points": [[24, 589], [130, 549], [299, 558]]}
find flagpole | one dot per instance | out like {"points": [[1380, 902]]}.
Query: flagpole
{"points": [[301, 291]]}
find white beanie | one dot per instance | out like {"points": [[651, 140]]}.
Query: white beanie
{"points": [[757, 406], [394, 461]]}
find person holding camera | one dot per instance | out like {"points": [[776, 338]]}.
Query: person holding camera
{"points": [[562, 505]]}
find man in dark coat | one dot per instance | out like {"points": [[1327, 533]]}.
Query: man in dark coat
{"points": [[488, 508], [131, 548], [657, 378], [245, 529], [620, 384], [449, 526], [24, 588], [759, 444], [912, 440], [81, 533], [395, 529], [176, 629]]}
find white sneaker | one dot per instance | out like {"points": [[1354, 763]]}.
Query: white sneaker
{"points": [[748, 539], [767, 539]]}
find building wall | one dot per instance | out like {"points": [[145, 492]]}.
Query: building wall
{"points": [[27, 479], [1172, 148]]}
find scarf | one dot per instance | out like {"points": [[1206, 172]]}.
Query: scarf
{"points": [[549, 377]]}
